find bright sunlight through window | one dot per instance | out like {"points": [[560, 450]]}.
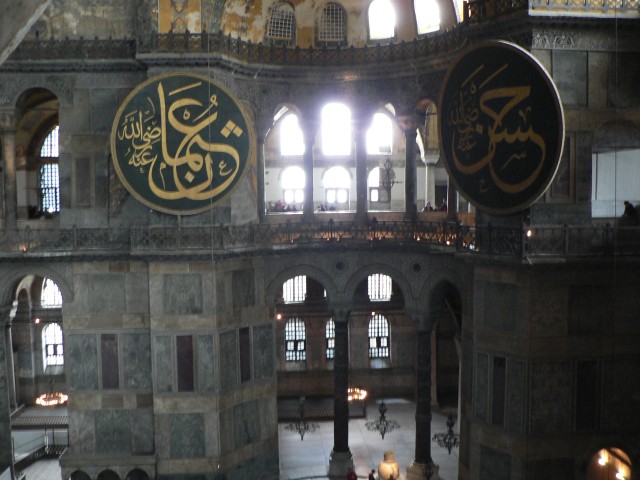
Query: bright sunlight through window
{"points": [[291, 139], [382, 20], [427, 15], [336, 129], [379, 135]]}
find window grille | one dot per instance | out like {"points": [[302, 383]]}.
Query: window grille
{"points": [[50, 146], [332, 24], [379, 287], [51, 296], [52, 341], [378, 337], [282, 23], [49, 188], [294, 290], [295, 337], [330, 335]]}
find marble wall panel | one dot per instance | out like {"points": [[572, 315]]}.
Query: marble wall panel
{"points": [[481, 397], [549, 307], [105, 293], [550, 397], [164, 381], [263, 359], [622, 387], [570, 76], [589, 307], [137, 293], [81, 361], [142, 433], [113, 433], [103, 105], [227, 425], [515, 395], [182, 294], [82, 432], [205, 364], [228, 360], [246, 423], [187, 436], [243, 288], [494, 465], [501, 306], [136, 360], [623, 89]]}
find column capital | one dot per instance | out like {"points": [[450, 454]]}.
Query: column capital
{"points": [[408, 122], [7, 120], [340, 311]]}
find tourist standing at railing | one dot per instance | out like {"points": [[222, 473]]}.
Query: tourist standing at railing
{"points": [[629, 216]]}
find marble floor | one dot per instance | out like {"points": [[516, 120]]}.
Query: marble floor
{"points": [[309, 458]]}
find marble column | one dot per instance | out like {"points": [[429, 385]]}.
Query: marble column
{"points": [[261, 134], [408, 124], [11, 378], [309, 129], [6, 450], [341, 459], [423, 467], [8, 132], [452, 202], [430, 187], [360, 126]]}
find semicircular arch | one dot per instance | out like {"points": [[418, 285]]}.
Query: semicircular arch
{"points": [[11, 278], [363, 273], [310, 271]]}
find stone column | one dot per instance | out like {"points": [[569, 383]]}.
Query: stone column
{"points": [[341, 459], [408, 124], [309, 129], [23, 340], [261, 134], [360, 126], [6, 449], [423, 467], [8, 132], [452, 202], [430, 187], [11, 377]]}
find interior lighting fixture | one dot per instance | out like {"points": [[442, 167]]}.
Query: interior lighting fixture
{"points": [[356, 394], [52, 399], [382, 425], [449, 440], [300, 425]]}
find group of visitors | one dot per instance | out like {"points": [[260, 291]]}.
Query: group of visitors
{"points": [[430, 208], [351, 475]]}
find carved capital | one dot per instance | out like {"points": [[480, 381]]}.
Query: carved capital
{"points": [[7, 120]]}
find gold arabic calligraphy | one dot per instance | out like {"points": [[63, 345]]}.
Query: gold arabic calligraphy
{"points": [[188, 170], [483, 120]]}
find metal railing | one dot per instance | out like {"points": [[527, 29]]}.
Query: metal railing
{"points": [[538, 241]]}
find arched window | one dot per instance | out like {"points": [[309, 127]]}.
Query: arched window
{"points": [[379, 287], [48, 175], [293, 182], [382, 20], [380, 135], [336, 182], [294, 290], [378, 337], [330, 336], [373, 181], [51, 296], [427, 15], [336, 129], [282, 24], [295, 339], [291, 139], [52, 345], [332, 24]]}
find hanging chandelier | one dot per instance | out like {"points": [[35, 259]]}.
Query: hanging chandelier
{"points": [[300, 425], [449, 440], [382, 424], [52, 399]]}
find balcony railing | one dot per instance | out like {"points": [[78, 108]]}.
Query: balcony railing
{"points": [[540, 241]]}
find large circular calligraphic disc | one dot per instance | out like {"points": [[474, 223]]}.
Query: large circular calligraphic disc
{"points": [[180, 143], [501, 127]]}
